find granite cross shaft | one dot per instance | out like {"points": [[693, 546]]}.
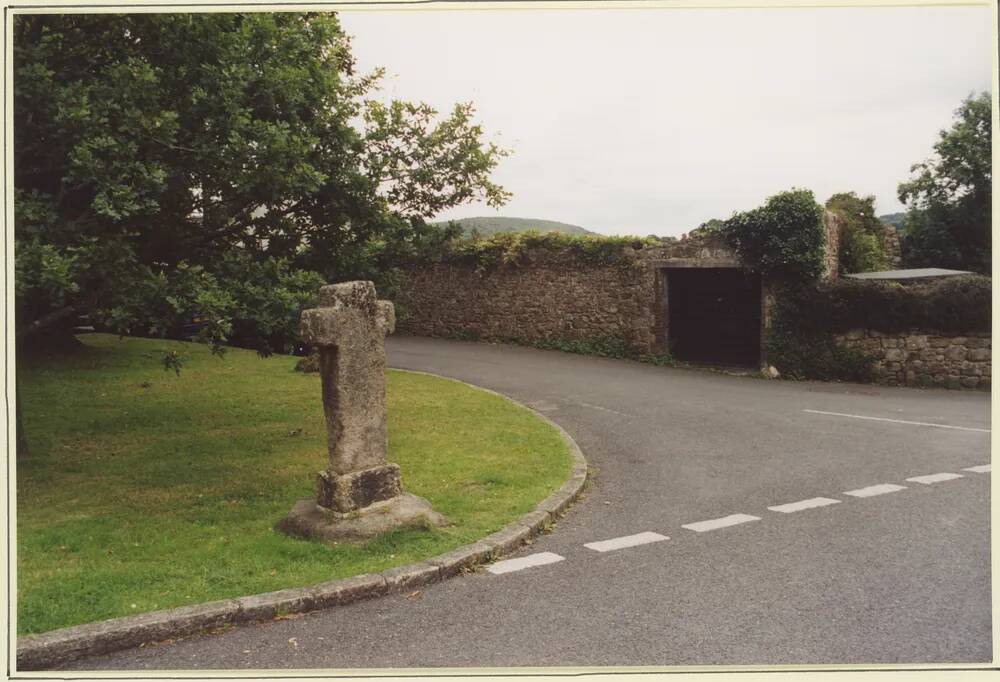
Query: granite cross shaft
{"points": [[349, 327], [359, 493]]}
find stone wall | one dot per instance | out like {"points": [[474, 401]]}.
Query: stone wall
{"points": [[555, 295], [834, 226], [893, 251], [558, 295], [546, 300], [918, 358]]}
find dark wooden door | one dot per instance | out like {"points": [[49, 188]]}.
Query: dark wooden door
{"points": [[714, 315]]}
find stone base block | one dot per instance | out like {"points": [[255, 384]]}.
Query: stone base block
{"points": [[358, 489], [311, 521]]}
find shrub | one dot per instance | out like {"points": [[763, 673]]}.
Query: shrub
{"points": [[309, 363], [861, 239], [785, 238]]}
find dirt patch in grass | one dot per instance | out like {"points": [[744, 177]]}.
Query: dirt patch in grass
{"points": [[146, 490]]}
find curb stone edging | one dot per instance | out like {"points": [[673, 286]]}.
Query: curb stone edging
{"points": [[48, 649]]}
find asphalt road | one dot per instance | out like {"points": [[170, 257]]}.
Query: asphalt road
{"points": [[901, 577]]}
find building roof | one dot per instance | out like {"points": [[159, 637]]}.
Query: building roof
{"points": [[918, 273]]}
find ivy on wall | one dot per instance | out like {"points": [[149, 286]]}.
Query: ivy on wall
{"points": [[801, 341], [950, 305], [784, 239], [512, 249]]}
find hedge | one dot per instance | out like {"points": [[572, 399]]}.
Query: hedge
{"points": [[954, 304], [801, 341]]}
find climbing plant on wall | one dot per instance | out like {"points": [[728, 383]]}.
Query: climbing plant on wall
{"points": [[512, 249]]}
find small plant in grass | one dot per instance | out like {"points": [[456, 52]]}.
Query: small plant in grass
{"points": [[308, 364], [461, 335], [606, 346]]}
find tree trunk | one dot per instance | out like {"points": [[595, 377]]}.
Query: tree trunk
{"points": [[46, 321]]}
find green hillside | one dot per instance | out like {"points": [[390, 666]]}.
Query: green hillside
{"points": [[492, 225], [894, 219]]}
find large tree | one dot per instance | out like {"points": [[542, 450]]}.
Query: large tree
{"points": [[950, 195], [219, 165]]}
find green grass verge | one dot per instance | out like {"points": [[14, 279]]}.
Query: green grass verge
{"points": [[146, 490]]}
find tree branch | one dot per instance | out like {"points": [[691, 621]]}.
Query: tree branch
{"points": [[47, 321]]}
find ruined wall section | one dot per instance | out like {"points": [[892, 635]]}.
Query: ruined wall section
{"points": [[893, 250], [834, 226]]}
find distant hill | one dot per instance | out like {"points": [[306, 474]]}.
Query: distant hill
{"points": [[894, 219], [493, 225]]}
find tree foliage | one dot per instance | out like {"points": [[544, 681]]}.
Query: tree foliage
{"points": [[862, 247], [950, 195], [784, 238], [219, 165]]}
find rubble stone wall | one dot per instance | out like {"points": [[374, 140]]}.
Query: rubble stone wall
{"points": [[834, 226], [919, 358], [890, 239], [565, 301]]}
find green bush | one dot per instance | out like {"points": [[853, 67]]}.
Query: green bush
{"points": [[309, 363], [861, 251], [862, 248], [784, 239]]}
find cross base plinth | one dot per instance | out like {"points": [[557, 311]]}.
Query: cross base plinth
{"points": [[357, 489], [311, 521]]}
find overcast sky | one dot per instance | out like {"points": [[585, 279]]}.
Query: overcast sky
{"points": [[654, 121]]}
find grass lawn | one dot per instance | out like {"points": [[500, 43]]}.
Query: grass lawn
{"points": [[146, 490]]}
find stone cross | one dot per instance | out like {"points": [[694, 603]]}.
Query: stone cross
{"points": [[349, 327], [359, 495]]}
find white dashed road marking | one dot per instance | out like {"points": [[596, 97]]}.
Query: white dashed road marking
{"points": [[625, 541], [934, 478], [724, 522], [510, 565], [543, 558], [873, 490], [898, 421], [803, 504]]}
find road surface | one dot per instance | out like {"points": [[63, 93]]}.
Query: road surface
{"points": [[731, 520]]}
